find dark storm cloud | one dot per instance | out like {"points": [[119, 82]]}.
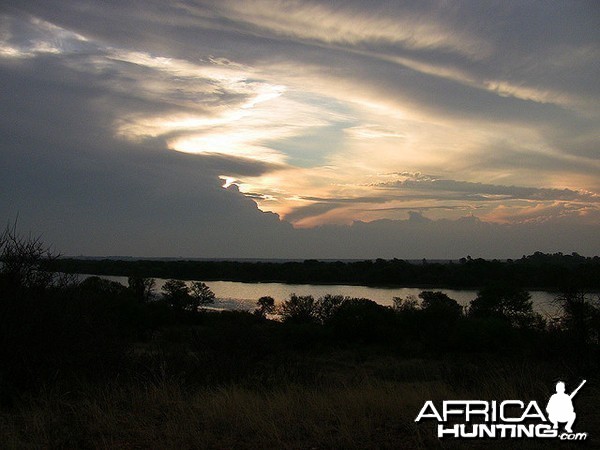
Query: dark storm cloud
{"points": [[54, 102], [64, 174]]}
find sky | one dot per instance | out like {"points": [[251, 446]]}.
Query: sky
{"points": [[302, 129]]}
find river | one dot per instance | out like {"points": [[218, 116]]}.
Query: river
{"points": [[243, 296]]}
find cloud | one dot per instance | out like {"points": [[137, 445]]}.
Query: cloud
{"points": [[67, 175], [483, 191], [122, 122], [352, 25], [402, 192], [545, 212]]}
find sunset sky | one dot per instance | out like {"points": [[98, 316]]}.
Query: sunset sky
{"points": [[295, 129]]}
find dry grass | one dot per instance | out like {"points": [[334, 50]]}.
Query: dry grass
{"points": [[166, 416], [371, 411]]}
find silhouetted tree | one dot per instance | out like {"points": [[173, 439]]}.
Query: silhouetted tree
{"points": [[141, 288], [102, 287], [177, 294], [266, 305], [363, 320], [440, 305], [328, 305], [299, 309], [581, 317], [24, 261], [506, 302], [201, 294], [400, 304]]}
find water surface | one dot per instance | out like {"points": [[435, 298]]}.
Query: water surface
{"points": [[243, 296]]}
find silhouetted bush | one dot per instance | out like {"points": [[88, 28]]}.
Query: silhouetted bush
{"points": [[63, 334], [299, 309], [581, 315], [23, 262], [266, 305], [328, 306], [438, 305], [361, 319], [506, 302]]}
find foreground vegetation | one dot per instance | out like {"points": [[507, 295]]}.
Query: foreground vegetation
{"points": [[95, 364]]}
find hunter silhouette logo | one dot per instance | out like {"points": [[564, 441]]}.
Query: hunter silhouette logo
{"points": [[469, 419], [560, 407]]}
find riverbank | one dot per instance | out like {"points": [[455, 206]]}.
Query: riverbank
{"points": [[535, 272]]}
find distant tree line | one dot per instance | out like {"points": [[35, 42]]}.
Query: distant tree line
{"points": [[539, 270]]}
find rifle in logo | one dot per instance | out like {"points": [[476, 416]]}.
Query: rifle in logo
{"points": [[560, 407]]}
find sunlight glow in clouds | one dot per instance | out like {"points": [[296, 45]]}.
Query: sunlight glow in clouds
{"points": [[258, 111], [46, 38], [358, 112], [267, 116]]}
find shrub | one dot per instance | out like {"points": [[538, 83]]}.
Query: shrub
{"points": [[266, 305], [299, 309], [581, 315], [505, 302], [439, 305], [361, 319]]}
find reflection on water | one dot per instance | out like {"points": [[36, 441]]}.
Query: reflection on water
{"points": [[243, 296]]}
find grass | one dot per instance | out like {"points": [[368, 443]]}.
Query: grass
{"points": [[167, 416], [354, 403]]}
